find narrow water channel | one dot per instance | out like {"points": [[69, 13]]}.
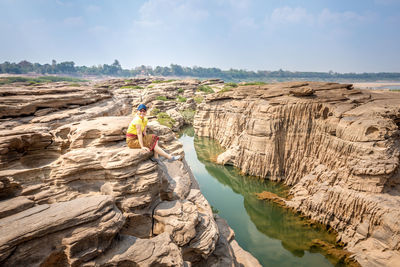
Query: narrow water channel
{"points": [[274, 235]]}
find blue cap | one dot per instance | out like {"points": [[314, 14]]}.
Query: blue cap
{"points": [[142, 106]]}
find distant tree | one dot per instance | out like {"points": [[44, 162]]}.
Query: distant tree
{"points": [[25, 66], [66, 67], [176, 70]]}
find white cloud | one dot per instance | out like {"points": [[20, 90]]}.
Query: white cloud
{"points": [[298, 15], [236, 4], [327, 16], [247, 23], [284, 15], [73, 21], [387, 2], [156, 12], [64, 3], [98, 29], [93, 9]]}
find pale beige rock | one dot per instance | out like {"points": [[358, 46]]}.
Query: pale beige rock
{"points": [[76, 231], [338, 148], [23, 101], [302, 91], [176, 182], [178, 118], [131, 251], [14, 205], [8, 187], [203, 244], [70, 187], [178, 218]]}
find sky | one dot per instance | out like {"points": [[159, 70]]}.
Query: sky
{"points": [[309, 35]]}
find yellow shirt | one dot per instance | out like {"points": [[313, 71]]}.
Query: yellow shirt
{"points": [[137, 121]]}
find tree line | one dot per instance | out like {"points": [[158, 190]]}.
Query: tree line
{"points": [[174, 70]]}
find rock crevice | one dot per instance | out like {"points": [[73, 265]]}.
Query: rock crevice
{"points": [[73, 194]]}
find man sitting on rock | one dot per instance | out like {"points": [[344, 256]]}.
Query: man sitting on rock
{"points": [[136, 136]]}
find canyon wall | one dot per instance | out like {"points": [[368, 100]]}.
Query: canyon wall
{"points": [[73, 194], [336, 146]]}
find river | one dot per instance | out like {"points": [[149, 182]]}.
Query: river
{"points": [[274, 235]]}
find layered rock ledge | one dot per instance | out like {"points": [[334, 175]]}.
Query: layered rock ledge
{"points": [[338, 147], [73, 194]]}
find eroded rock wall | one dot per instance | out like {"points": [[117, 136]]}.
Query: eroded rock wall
{"points": [[338, 147], [73, 194]]}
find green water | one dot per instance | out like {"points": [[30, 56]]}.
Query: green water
{"points": [[274, 235]]}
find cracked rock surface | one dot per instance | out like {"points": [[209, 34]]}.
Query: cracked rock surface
{"points": [[338, 147], [73, 194]]}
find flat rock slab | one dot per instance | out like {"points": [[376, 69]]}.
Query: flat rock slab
{"points": [[132, 251], [45, 219], [11, 206]]}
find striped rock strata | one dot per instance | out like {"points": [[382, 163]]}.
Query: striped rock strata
{"points": [[73, 194], [338, 147]]}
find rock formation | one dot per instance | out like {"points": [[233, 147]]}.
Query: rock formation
{"points": [[73, 194], [338, 147]]}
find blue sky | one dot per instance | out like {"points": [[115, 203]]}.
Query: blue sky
{"points": [[342, 36]]}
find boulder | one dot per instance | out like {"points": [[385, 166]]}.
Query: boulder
{"points": [[71, 232]]}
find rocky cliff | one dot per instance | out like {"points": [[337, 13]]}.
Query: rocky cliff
{"points": [[73, 194], [338, 147]]}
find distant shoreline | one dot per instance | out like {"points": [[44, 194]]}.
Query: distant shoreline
{"points": [[377, 85], [380, 85]]}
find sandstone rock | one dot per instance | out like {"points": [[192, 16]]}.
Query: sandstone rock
{"points": [[16, 102], [203, 244], [339, 149], [73, 194], [14, 205], [73, 232], [179, 121], [176, 182], [227, 251], [178, 218], [8, 187], [302, 91], [131, 251]]}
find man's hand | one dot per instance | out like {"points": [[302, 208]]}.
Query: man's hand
{"points": [[146, 149]]}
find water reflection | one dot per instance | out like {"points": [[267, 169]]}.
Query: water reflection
{"points": [[276, 236]]}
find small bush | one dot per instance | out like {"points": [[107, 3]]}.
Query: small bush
{"points": [[188, 115], [225, 89], [41, 79], [254, 83], [160, 81], [205, 88], [154, 111], [180, 90], [164, 119], [132, 87], [74, 85], [198, 99], [231, 85], [162, 97], [33, 83], [214, 210], [181, 99], [150, 86]]}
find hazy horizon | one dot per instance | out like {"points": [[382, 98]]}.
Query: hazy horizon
{"points": [[340, 36]]}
